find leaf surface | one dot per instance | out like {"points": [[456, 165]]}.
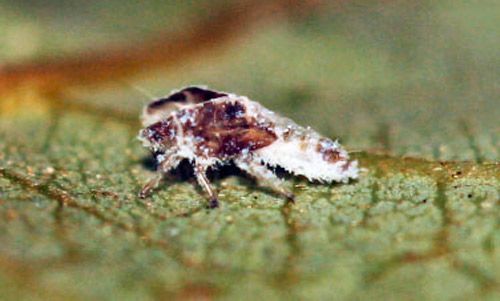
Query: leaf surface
{"points": [[422, 222]]}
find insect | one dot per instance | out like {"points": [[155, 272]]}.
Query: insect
{"points": [[211, 128]]}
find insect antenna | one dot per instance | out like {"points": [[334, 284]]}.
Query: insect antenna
{"points": [[140, 90], [356, 151]]}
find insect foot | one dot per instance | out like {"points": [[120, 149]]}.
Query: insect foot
{"points": [[209, 127], [213, 203]]}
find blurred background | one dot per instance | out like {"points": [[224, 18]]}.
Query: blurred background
{"points": [[409, 78], [404, 78]]}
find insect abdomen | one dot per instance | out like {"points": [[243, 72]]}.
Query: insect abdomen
{"points": [[316, 159]]}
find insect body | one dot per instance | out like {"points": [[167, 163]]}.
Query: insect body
{"points": [[208, 127]]}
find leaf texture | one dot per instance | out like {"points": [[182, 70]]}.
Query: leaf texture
{"points": [[422, 222]]}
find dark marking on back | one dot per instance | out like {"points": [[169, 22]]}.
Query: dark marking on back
{"points": [[189, 95], [326, 148], [346, 165], [224, 129], [176, 97], [198, 95]]}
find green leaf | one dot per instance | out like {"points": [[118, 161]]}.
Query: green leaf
{"points": [[421, 223]]}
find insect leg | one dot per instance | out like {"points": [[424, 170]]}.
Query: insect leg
{"points": [[201, 177], [161, 170], [264, 177]]}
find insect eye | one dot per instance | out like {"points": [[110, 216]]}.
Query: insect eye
{"points": [[159, 132]]}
